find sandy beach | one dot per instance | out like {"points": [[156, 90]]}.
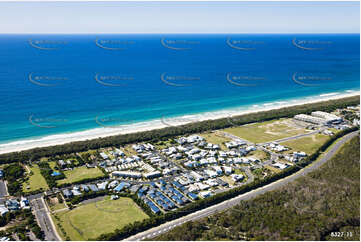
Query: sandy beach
{"points": [[161, 123]]}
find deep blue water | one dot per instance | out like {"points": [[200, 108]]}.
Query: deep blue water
{"points": [[53, 84]]}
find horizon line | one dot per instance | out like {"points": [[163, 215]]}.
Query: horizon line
{"points": [[184, 33]]}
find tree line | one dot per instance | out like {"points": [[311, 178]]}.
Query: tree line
{"points": [[168, 132]]}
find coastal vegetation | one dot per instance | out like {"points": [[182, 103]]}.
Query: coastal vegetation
{"points": [[165, 133], [14, 175], [312, 207]]}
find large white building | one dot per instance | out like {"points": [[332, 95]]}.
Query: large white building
{"points": [[153, 174], [318, 117], [330, 118], [310, 119]]}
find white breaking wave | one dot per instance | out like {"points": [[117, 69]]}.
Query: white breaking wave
{"points": [[161, 123]]}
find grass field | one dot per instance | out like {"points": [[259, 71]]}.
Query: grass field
{"points": [[216, 138], [128, 150], [57, 206], [80, 173], [308, 144], [267, 131], [54, 204], [36, 180], [163, 144], [228, 179], [52, 165], [259, 154], [93, 219], [272, 168]]}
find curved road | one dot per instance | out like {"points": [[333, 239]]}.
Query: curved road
{"points": [[249, 195]]}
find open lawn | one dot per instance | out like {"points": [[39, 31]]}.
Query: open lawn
{"points": [[80, 173], [228, 179], [272, 168], [36, 180], [93, 219], [52, 165], [216, 138], [163, 144], [259, 154], [267, 131], [54, 204], [128, 150], [308, 144]]}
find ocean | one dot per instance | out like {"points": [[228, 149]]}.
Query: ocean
{"points": [[61, 84]]}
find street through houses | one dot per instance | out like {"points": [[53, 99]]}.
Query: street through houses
{"points": [[153, 232]]}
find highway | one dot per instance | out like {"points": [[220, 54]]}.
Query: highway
{"points": [[249, 195]]}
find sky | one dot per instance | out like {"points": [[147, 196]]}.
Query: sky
{"points": [[179, 17]]}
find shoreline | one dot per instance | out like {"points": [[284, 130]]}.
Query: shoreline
{"points": [[63, 138]]}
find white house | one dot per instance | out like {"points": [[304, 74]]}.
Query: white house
{"points": [[205, 194], [237, 177], [227, 170], [280, 165]]}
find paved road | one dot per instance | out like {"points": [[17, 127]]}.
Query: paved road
{"points": [[43, 217], [3, 191], [229, 135], [234, 201], [296, 136]]}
